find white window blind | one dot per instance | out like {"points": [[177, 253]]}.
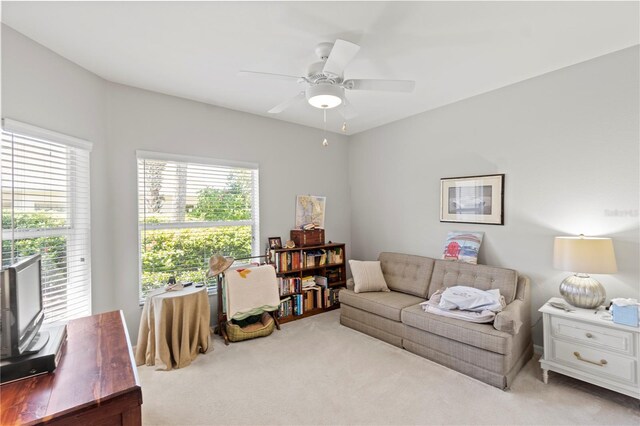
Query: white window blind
{"points": [[192, 208], [45, 209]]}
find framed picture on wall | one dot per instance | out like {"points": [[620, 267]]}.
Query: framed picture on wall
{"points": [[472, 199]]}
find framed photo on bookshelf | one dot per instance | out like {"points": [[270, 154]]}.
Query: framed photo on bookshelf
{"points": [[275, 243]]}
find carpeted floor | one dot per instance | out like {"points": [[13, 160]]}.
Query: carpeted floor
{"points": [[315, 371]]}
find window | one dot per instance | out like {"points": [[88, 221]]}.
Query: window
{"points": [[189, 209], [45, 209]]}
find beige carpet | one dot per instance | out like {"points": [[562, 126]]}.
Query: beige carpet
{"points": [[315, 371]]}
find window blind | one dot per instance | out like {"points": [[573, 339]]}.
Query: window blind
{"points": [[46, 210], [192, 208]]}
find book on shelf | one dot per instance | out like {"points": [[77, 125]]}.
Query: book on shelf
{"points": [[285, 308], [334, 275], [335, 255], [313, 298], [289, 285], [298, 307], [314, 258], [331, 297]]}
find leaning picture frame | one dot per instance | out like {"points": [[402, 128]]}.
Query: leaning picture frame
{"points": [[472, 199], [275, 243]]}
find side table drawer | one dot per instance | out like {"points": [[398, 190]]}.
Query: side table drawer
{"points": [[595, 361], [593, 335]]}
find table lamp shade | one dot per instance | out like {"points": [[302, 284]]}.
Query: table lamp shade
{"points": [[584, 255]]}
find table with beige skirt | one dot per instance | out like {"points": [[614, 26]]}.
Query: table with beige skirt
{"points": [[174, 327]]}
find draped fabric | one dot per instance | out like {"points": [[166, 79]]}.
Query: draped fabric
{"points": [[174, 328]]}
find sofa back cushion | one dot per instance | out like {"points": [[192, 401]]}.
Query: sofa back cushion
{"points": [[447, 273], [407, 273]]}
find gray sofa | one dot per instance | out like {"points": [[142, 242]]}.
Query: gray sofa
{"points": [[492, 353]]}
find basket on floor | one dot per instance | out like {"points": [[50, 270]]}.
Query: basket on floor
{"points": [[262, 328]]}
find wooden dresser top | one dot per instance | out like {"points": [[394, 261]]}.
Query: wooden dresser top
{"points": [[96, 366]]}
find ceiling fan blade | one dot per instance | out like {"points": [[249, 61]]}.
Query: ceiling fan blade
{"points": [[347, 110], [269, 75], [286, 104], [341, 54], [382, 85]]}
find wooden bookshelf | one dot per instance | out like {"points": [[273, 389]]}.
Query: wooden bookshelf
{"points": [[326, 264]]}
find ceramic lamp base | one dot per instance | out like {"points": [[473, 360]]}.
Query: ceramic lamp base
{"points": [[582, 291]]}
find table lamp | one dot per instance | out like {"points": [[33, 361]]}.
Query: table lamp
{"points": [[584, 255]]}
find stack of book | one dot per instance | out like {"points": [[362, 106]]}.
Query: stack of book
{"points": [[321, 281], [334, 275], [308, 282]]}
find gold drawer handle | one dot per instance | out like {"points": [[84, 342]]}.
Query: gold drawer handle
{"points": [[602, 362]]}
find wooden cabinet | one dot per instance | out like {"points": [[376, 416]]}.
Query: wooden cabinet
{"points": [[96, 382], [584, 345], [296, 268]]}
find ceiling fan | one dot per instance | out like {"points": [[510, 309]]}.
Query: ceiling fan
{"points": [[325, 80]]}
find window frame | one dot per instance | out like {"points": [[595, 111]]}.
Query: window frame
{"points": [[75, 235], [254, 222]]}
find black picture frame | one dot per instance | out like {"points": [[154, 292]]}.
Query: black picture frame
{"points": [[473, 199], [275, 243]]}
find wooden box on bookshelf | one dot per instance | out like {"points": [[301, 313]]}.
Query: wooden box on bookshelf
{"points": [[310, 279], [308, 237]]}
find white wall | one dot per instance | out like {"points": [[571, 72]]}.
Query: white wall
{"points": [[568, 142], [291, 158], [46, 90], [42, 88]]}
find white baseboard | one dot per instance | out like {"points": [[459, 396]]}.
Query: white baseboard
{"points": [[538, 349]]}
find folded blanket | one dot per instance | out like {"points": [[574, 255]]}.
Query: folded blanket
{"points": [[471, 299], [461, 296], [478, 317]]}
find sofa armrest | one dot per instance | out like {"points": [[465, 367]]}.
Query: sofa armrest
{"points": [[517, 313], [350, 284], [509, 319]]}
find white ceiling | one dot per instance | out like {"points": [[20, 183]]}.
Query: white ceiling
{"points": [[453, 50]]}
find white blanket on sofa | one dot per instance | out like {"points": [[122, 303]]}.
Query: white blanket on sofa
{"points": [[485, 304], [471, 299]]}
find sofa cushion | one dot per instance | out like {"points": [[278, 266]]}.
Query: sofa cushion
{"points": [[377, 322], [367, 276], [385, 304], [482, 336], [407, 273], [447, 273]]}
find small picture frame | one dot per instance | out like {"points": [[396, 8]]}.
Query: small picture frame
{"points": [[472, 199], [275, 243]]}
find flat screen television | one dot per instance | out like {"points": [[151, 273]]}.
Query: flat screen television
{"points": [[22, 311]]}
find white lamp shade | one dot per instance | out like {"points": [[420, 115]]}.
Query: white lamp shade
{"points": [[584, 255]]}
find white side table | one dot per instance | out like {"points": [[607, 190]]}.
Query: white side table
{"points": [[583, 345]]}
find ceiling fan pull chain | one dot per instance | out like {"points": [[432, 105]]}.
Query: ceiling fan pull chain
{"points": [[324, 128]]}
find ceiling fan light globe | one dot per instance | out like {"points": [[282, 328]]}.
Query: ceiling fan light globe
{"points": [[324, 96], [325, 101]]}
